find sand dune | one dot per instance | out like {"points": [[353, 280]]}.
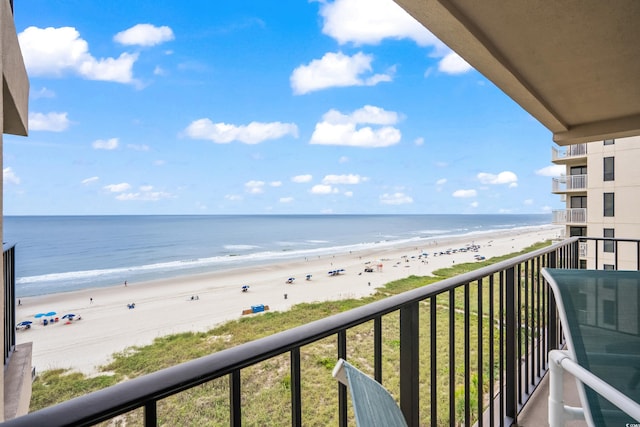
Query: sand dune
{"points": [[166, 306]]}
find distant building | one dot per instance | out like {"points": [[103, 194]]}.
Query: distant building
{"points": [[601, 188]]}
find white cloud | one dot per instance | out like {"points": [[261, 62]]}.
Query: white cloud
{"points": [[336, 70], [323, 189], [286, 199], [418, 141], [342, 129], [275, 183], [552, 171], [138, 147], [528, 202], [145, 195], [101, 144], [118, 188], [144, 35], [506, 177], [42, 93], [54, 52], [395, 199], [441, 181], [452, 63], [348, 193], [254, 187], [53, 122], [302, 178], [474, 204], [88, 181], [343, 179], [9, 176], [465, 193], [343, 159], [233, 197], [546, 209], [371, 21], [253, 133]]}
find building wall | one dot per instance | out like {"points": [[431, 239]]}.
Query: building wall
{"points": [[626, 189]]}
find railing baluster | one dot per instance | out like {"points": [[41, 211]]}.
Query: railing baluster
{"points": [[296, 399], [410, 363], [511, 344], [467, 358], [434, 359], [150, 414], [377, 349], [480, 368], [236, 398], [342, 389], [501, 354], [492, 325], [452, 357]]}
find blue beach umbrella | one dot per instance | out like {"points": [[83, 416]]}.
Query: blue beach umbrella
{"points": [[39, 315], [69, 316], [25, 323], [51, 313]]}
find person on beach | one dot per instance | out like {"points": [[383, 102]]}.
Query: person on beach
{"points": [[90, 300]]}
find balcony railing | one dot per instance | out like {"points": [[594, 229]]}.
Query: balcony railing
{"points": [[571, 151], [9, 312], [569, 183], [570, 216], [500, 323]]}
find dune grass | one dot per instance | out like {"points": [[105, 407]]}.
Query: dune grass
{"points": [[266, 386]]}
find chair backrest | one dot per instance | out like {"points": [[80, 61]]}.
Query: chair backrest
{"points": [[373, 405]]}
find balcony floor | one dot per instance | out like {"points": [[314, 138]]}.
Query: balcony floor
{"points": [[536, 411]]}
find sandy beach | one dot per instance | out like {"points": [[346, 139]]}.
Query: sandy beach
{"points": [[198, 303]]}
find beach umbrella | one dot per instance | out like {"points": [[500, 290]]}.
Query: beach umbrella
{"points": [[69, 316], [25, 323], [39, 315], [51, 313]]}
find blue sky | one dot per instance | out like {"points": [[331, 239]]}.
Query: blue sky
{"points": [[240, 107]]}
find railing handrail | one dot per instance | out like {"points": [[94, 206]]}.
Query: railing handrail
{"points": [[107, 403]]}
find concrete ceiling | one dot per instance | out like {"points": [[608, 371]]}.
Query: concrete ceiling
{"points": [[572, 64]]}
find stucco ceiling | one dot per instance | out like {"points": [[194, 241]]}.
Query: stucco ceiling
{"points": [[573, 64]]}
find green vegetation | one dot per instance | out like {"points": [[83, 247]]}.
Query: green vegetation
{"points": [[266, 386]]}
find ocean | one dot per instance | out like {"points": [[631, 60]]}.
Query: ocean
{"points": [[66, 253]]}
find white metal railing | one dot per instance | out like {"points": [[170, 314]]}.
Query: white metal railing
{"points": [[559, 413], [571, 151], [568, 183], [570, 216]]}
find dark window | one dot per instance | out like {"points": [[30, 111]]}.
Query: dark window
{"points": [[609, 245], [583, 264], [578, 170], [609, 169], [609, 204], [577, 231], [609, 267], [608, 312], [609, 141], [579, 201]]}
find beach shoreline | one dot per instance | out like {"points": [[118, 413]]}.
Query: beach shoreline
{"points": [[200, 302]]}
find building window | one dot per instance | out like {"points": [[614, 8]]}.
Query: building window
{"points": [[609, 267], [609, 245], [583, 264], [609, 141], [578, 202], [577, 231], [609, 166], [609, 204], [578, 170]]}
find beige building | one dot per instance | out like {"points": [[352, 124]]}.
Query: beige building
{"points": [[16, 375], [601, 186]]}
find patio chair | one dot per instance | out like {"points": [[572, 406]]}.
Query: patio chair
{"points": [[372, 404], [598, 311]]}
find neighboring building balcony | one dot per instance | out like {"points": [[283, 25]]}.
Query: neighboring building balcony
{"points": [[571, 183], [570, 154], [570, 216], [453, 366]]}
